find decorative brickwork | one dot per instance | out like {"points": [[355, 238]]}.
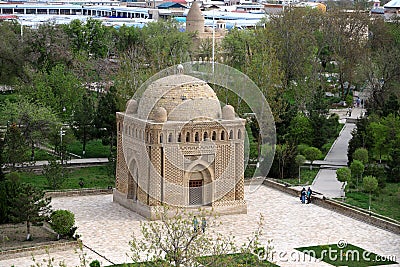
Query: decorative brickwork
{"points": [[192, 158]]}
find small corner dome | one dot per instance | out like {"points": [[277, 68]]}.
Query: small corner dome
{"points": [[228, 112], [131, 106], [159, 114], [183, 97]]}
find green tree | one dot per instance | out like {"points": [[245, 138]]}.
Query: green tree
{"points": [[344, 36], [62, 221], [380, 66], [59, 90], [300, 130], [361, 154], [379, 133], [33, 120], [357, 169], [370, 184], [55, 174], [312, 154], [48, 46], [83, 122], [343, 174], [15, 147], [173, 241], [394, 161], [12, 54], [8, 189], [284, 153], [300, 159], [105, 119], [29, 205], [90, 38]]}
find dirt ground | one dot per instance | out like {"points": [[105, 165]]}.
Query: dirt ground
{"points": [[14, 236]]}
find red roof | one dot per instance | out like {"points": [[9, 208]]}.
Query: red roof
{"points": [[8, 17], [177, 1]]}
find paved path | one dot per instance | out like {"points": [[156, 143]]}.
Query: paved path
{"points": [[69, 162], [326, 182], [107, 227]]}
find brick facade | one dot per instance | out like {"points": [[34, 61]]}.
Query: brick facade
{"points": [[159, 158]]}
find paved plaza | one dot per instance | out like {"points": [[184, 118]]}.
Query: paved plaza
{"points": [[107, 227]]}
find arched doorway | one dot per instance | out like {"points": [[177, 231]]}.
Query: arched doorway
{"points": [[199, 181], [196, 188]]}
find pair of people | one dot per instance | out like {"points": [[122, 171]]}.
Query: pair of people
{"points": [[305, 196], [196, 224]]}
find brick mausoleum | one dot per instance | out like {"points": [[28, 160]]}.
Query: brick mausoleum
{"points": [[177, 146]]}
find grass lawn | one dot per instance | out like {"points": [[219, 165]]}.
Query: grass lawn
{"points": [[42, 155], [386, 203], [306, 178], [93, 177], [94, 149], [229, 260], [141, 264], [233, 260], [346, 255]]}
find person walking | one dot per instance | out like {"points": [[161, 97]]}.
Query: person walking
{"points": [[349, 111], [303, 195], [309, 193], [195, 224], [203, 225]]}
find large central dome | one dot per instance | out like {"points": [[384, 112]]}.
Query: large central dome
{"points": [[180, 98]]}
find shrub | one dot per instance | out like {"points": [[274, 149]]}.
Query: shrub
{"points": [[361, 154], [301, 148], [62, 221], [95, 263], [398, 195], [379, 172]]}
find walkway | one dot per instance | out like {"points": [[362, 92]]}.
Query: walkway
{"points": [[107, 228], [87, 161], [326, 182]]}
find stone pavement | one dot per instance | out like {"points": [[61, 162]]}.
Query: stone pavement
{"points": [[326, 182], [107, 228]]}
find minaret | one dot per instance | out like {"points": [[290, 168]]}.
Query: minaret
{"points": [[195, 19]]}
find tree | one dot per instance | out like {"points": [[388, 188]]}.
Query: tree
{"points": [[361, 154], [15, 147], [343, 175], [29, 205], [55, 174], [90, 38], [83, 122], [62, 221], [109, 105], [380, 66], [59, 89], [300, 130], [300, 159], [312, 153], [12, 53], [344, 37], [370, 184], [394, 161], [357, 169], [379, 133], [174, 240], [47, 46], [284, 153], [34, 121]]}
